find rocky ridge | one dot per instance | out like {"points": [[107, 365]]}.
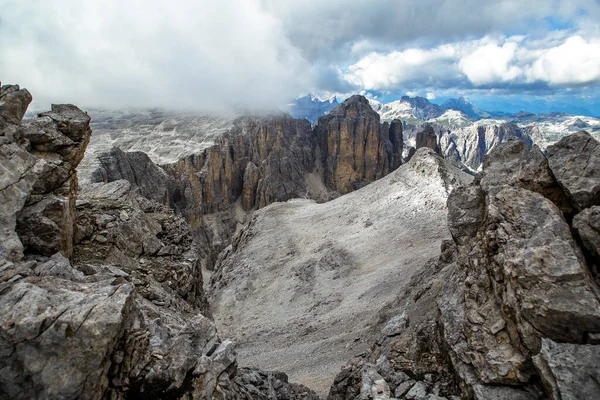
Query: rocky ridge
{"points": [[126, 316], [510, 310]]}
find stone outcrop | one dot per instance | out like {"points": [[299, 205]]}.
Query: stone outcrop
{"points": [[40, 183], [278, 150], [510, 309], [136, 167], [427, 138], [354, 148], [126, 317], [471, 144], [575, 162]]}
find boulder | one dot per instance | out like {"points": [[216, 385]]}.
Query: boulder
{"points": [[586, 225], [427, 138], [575, 163], [568, 370]]}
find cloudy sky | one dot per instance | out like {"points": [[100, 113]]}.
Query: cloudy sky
{"points": [[218, 54]]}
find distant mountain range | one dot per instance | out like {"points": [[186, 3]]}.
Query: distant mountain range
{"points": [[465, 132], [312, 107], [419, 109]]}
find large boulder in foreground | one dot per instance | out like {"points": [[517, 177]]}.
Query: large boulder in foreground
{"points": [[575, 162]]}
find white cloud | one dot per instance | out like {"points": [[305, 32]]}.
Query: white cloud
{"points": [[576, 61], [557, 60], [214, 54], [491, 63], [430, 96], [384, 71], [218, 54]]}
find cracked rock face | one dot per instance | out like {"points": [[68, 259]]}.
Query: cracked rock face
{"points": [[511, 302], [575, 162]]}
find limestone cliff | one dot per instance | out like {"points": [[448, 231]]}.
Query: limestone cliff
{"points": [[354, 148]]}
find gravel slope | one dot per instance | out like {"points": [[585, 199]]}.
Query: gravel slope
{"points": [[302, 289]]}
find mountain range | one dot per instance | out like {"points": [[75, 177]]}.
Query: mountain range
{"points": [[461, 126]]}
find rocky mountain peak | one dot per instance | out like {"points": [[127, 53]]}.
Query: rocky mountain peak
{"points": [[353, 106]]}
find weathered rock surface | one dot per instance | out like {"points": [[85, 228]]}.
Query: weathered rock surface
{"points": [[515, 164], [511, 301], [427, 138], [57, 139], [13, 105], [569, 370], [575, 162], [587, 226], [137, 168]]}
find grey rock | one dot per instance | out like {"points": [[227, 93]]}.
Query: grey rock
{"points": [[135, 167], [60, 267], [114, 192], [373, 385], [427, 138], [514, 163], [16, 183], [13, 105], [396, 325], [466, 211], [403, 388], [418, 392], [569, 371], [47, 327], [547, 285], [575, 163], [46, 227], [587, 226]]}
